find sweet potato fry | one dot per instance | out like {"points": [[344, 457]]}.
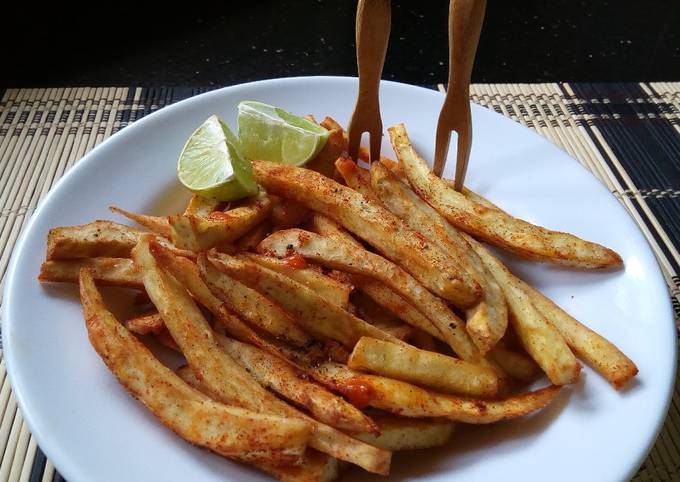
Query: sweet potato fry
{"points": [[107, 271], [252, 306], [374, 224], [493, 225], [290, 383], [539, 338], [229, 431], [433, 370], [157, 224], [334, 253], [201, 206], [97, 239], [316, 315], [488, 319], [594, 349], [405, 399], [399, 433], [331, 289], [197, 233]]}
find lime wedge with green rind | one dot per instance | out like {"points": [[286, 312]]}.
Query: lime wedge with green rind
{"points": [[211, 163], [273, 134]]}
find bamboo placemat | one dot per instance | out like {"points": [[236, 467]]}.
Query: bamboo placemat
{"points": [[627, 135]]}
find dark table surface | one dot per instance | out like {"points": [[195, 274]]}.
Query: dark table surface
{"points": [[223, 43]]}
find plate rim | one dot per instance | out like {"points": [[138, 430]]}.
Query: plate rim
{"points": [[52, 450]]}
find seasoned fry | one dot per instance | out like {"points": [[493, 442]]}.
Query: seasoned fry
{"points": [[150, 324], [157, 224], [335, 146], [357, 178], [540, 339], [229, 431], [197, 233], [516, 364], [331, 124], [391, 301], [377, 291], [201, 206], [434, 370], [252, 238], [228, 382], [592, 348], [493, 225], [376, 315], [374, 224], [344, 447], [334, 253], [316, 315], [398, 433], [224, 379], [107, 271], [286, 213], [187, 273], [97, 239], [486, 321], [316, 467], [401, 398], [282, 378], [325, 226], [252, 306], [289, 334], [332, 290]]}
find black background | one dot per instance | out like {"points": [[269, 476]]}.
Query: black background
{"points": [[221, 43]]}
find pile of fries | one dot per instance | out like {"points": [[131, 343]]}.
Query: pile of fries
{"points": [[340, 315]]}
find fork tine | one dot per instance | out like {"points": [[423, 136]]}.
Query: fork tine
{"points": [[376, 142], [354, 137], [463, 152], [441, 149]]}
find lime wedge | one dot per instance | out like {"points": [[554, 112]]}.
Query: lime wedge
{"points": [[212, 165], [272, 134]]}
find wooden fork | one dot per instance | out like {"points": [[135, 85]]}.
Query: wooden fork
{"points": [[465, 25], [372, 35]]}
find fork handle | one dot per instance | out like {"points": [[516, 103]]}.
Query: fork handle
{"points": [[374, 19], [373, 23], [465, 26]]}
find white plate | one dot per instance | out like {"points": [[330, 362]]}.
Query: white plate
{"points": [[93, 430]]}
